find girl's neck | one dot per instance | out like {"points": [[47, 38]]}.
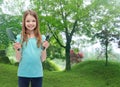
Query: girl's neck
{"points": [[31, 32], [31, 35]]}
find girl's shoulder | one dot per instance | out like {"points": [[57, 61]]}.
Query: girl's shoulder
{"points": [[18, 38], [43, 38]]}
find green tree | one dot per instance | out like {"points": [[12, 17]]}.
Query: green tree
{"points": [[62, 18], [103, 25]]}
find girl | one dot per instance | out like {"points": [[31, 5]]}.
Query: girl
{"points": [[30, 56]]}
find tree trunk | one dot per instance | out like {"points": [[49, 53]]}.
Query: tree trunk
{"points": [[68, 65], [106, 52]]}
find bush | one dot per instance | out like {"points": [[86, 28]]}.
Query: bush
{"points": [[4, 60], [3, 57], [50, 66]]}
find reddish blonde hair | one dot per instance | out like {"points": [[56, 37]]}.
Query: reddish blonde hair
{"points": [[25, 32]]}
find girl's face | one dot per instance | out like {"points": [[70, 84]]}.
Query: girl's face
{"points": [[30, 22]]}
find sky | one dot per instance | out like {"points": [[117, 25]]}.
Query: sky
{"points": [[8, 7]]}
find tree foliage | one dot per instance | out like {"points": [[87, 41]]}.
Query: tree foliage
{"points": [[103, 25], [63, 17]]}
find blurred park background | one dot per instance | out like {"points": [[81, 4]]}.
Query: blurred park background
{"points": [[84, 41]]}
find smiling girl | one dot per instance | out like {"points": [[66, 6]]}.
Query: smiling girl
{"points": [[30, 56]]}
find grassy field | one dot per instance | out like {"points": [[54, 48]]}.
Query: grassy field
{"points": [[85, 74]]}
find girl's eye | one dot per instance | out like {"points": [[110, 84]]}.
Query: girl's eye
{"points": [[34, 21], [27, 21]]}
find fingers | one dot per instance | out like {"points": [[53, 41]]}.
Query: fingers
{"points": [[16, 45], [46, 44]]}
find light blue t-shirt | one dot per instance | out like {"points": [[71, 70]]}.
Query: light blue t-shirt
{"points": [[30, 64]]}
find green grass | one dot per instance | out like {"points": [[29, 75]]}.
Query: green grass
{"points": [[84, 74], [8, 75]]}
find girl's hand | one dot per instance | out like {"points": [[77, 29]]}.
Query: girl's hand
{"points": [[16, 46], [45, 44]]}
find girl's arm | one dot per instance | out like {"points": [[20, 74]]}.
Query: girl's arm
{"points": [[17, 46], [44, 53], [18, 55]]}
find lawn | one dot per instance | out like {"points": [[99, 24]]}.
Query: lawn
{"points": [[84, 74]]}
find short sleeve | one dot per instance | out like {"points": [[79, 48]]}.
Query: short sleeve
{"points": [[18, 38], [43, 38]]}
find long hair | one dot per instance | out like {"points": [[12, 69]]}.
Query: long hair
{"points": [[25, 32]]}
